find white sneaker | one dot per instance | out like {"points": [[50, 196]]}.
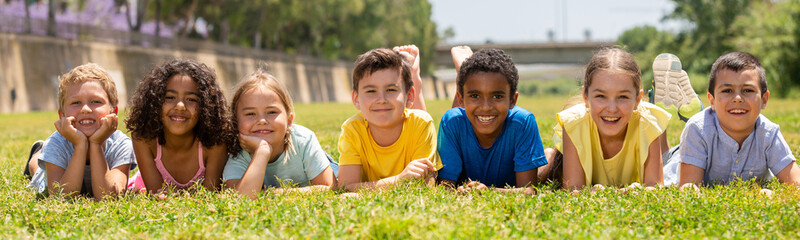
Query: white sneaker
{"points": [[671, 86]]}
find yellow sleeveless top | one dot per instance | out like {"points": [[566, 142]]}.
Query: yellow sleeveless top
{"points": [[647, 123]]}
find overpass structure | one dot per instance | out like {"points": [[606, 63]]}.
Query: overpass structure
{"points": [[533, 53], [548, 60]]}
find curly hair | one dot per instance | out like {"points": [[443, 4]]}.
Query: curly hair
{"points": [[489, 60], [213, 127], [261, 79], [378, 59]]}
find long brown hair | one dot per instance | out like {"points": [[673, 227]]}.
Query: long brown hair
{"points": [[260, 78], [612, 59]]}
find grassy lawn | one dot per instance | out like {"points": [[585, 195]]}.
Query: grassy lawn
{"points": [[407, 211]]}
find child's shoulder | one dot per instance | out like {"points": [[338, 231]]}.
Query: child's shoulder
{"points": [[703, 121], [301, 133], [418, 115]]}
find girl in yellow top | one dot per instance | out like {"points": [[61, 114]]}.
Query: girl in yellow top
{"points": [[613, 138]]}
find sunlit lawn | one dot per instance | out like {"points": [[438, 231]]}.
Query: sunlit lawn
{"points": [[409, 211]]}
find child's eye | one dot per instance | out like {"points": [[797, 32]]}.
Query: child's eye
{"points": [[497, 96], [599, 96], [749, 91], [272, 112], [75, 103], [474, 96], [250, 114], [169, 97], [623, 97], [370, 91], [726, 90], [192, 99]]}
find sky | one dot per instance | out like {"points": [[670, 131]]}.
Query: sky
{"points": [[511, 21]]}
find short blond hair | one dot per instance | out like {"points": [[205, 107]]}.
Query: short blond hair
{"points": [[84, 73]]}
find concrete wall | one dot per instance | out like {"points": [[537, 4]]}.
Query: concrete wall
{"points": [[30, 66]]}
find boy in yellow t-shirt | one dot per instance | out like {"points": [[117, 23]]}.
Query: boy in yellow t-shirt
{"points": [[387, 142]]}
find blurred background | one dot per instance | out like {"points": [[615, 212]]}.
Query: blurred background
{"points": [[310, 45]]}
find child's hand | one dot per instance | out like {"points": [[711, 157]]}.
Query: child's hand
{"points": [[417, 169], [251, 143], [108, 126], [65, 126], [472, 186]]}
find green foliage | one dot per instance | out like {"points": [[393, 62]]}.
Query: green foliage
{"points": [[408, 211], [766, 29], [334, 29]]}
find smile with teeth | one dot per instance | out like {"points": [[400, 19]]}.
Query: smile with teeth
{"points": [[177, 118], [737, 111], [485, 119], [610, 119], [86, 122]]}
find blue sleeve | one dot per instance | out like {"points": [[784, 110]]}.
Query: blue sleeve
{"points": [[316, 161], [778, 153], [693, 148], [529, 152], [120, 151], [56, 150], [448, 147]]}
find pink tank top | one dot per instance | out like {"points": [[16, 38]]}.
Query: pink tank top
{"points": [[169, 180]]}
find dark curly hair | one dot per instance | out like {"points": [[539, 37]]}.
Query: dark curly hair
{"points": [[213, 127], [489, 60]]}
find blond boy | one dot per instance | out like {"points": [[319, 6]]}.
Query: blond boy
{"points": [[86, 154]]}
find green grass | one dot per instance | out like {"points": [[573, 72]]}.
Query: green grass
{"points": [[407, 211]]}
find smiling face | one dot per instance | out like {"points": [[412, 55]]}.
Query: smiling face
{"points": [[261, 113], [737, 101], [181, 103], [88, 103], [486, 100], [381, 98], [611, 99]]}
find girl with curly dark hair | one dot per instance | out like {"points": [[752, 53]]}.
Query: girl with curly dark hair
{"points": [[180, 128]]}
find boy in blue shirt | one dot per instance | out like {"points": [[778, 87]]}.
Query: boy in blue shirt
{"points": [[731, 139], [488, 140]]}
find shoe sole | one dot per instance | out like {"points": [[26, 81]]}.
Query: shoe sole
{"points": [[672, 85]]}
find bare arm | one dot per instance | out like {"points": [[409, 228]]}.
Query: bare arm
{"points": [[69, 180], [653, 166], [790, 174], [526, 178], [147, 166], [574, 176], [323, 182], [691, 174], [215, 163], [252, 180], [105, 181], [350, 175]]}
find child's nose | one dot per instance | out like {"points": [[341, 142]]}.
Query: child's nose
{"points": [[86, 108], [738, 98], [180, 105], [262, 121]]}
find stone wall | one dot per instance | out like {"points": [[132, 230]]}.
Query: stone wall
{"points": [[30, 66]]}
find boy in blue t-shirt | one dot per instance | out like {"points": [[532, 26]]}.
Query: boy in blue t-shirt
{"points": [[488, 140]]}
